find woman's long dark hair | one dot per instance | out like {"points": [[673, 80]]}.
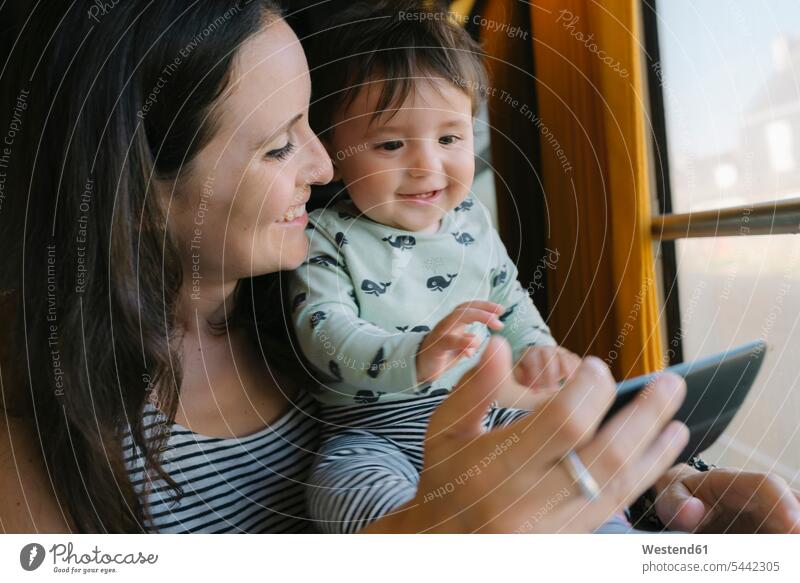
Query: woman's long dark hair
{"points": [[110, 96]]}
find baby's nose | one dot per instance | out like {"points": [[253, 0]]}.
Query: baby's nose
{"points": [[426, 160]]}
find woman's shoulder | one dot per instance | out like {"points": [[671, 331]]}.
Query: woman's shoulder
{"points": [[300, 411], [27, 502]]}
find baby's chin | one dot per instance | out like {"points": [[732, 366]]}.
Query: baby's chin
{"points": [[413, 220], [428, 225]]}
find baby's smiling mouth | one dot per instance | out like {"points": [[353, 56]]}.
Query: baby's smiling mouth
{"points": [[421, 195]]}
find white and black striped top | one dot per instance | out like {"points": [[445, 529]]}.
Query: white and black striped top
{"points": [[243, 484]]}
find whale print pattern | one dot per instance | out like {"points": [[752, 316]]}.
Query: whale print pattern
{"points": [[499, 275], [439, 283], [464, 238], [420, 328], [366, 397], [333, 366], [317, 317], [298, 300], [325, 260], [401, 242], [375, 289], [507, 314], [465, 206], [375, 366]]}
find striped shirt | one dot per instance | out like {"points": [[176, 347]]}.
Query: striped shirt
{"points": [[368, 466], [251, 484]]}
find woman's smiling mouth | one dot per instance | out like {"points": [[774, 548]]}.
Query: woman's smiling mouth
{"points": [[294, 215]]}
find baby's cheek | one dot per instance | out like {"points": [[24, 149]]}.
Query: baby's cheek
{"points": [[463, 169]]}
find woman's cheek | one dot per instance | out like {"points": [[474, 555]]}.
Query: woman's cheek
{"points": [[275, 196]]}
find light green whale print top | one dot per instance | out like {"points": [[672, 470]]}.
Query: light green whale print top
{"points": [[368, 294]]}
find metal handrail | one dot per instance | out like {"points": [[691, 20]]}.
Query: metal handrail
{"points": [[771, 218]]}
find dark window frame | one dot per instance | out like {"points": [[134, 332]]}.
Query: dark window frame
{"points": [[669, 264]]}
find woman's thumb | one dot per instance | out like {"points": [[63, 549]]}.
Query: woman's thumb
{"points": [[461, 414], [678, 509]]}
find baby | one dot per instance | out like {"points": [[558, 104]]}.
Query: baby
{"points": [[406, 278]]}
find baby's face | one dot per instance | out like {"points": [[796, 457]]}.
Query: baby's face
{"points": [[409, 167]]}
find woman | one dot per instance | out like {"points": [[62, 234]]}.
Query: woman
{"points": [[161, 177]]}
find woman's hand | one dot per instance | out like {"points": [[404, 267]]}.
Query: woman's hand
{"points": [[513, 480], [726, 500]]}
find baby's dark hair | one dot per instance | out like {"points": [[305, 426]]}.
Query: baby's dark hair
{"points": [[391, 41]]}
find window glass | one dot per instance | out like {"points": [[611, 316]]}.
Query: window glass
{"points": [[730, 74]]}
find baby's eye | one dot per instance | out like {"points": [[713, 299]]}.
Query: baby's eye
{"points": [[447, 140], [390, 145]]}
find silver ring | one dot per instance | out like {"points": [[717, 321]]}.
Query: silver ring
{"points": [[581, 476]]}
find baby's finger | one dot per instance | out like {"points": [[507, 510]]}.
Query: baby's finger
{"points": [[468, 343], [551, 370], [524, 373], [470, 315], [482, 305], [452, 342], [544, 367], [569, 363], [571, 417]]}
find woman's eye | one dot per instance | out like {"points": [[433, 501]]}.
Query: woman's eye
{"points": [[391, 145], [447, 140], [281, 153]]}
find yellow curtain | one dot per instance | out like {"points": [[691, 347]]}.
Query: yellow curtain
{"points": [[590, 85], [589, 122]]}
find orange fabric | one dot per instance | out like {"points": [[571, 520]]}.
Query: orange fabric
{"points": [[604, 295]]}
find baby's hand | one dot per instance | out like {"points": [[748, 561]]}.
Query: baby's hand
{"points": [[447, 342], [540, 372], [545, 367]]}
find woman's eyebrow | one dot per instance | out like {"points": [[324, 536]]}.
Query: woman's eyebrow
{"points": [[279, 131]]}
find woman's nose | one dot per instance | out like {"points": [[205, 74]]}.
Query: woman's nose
{"points": [[320, 165]]}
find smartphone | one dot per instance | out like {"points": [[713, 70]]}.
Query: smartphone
{"points": [[716, 387]]}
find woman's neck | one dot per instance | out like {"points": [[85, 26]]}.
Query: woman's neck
{"points": [[200, 313], [227, 389]]}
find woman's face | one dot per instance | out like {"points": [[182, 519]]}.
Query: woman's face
{"points": [[241, 210]]}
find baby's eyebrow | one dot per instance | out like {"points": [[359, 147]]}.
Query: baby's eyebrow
{"points": [[454, 123], [395, 129]]}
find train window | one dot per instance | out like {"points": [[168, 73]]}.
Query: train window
{"points": [[725, 90]]}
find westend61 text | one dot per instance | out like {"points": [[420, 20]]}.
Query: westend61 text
{"points": [[675, 550]]}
